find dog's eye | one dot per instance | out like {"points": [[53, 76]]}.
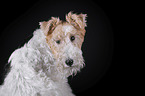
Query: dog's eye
{"points": [[58, 41], [72, 38]]}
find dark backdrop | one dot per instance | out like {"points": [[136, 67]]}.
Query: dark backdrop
{"points": [[100, 75]]}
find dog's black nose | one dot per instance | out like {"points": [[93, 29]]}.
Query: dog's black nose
{"points": [[69, 62]]}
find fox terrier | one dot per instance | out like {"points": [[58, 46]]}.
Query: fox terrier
{"points": [[42, 65]]}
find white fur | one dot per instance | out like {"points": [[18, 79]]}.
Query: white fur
{"points": [[67, 28], [35, 72]]}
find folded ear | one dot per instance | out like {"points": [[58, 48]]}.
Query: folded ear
{"points": [[48, 26], [78, 21]]}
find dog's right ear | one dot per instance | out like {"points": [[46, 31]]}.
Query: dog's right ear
{"points": [[48, 26]]}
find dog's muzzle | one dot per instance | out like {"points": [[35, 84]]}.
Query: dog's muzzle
{"points": [[69, 62]]}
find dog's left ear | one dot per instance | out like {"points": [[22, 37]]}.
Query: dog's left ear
{"points": [[78, 21]]}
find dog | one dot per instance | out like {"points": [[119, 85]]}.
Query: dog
{"points": [[42, 65]]}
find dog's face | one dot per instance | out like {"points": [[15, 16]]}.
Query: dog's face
{"points": [[65, 40]]}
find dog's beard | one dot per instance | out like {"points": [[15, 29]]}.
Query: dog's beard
{"points": [[61, 69], [78, 63], [76, 67]]}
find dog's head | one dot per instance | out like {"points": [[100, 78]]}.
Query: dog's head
{"points": [[65, 40]]}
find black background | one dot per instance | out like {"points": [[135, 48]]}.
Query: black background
{"points": [[101, 48]]}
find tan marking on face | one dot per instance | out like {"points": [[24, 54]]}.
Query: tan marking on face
{"points": [[63, 32]]}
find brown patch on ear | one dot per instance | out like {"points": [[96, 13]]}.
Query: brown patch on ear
{"points": [[78, 21], [48, 26]]}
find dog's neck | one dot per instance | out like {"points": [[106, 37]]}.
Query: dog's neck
{"points": [[48, 66]]}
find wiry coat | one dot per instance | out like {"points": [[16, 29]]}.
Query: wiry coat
{"points": [[30, 73], [38, 68]]}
